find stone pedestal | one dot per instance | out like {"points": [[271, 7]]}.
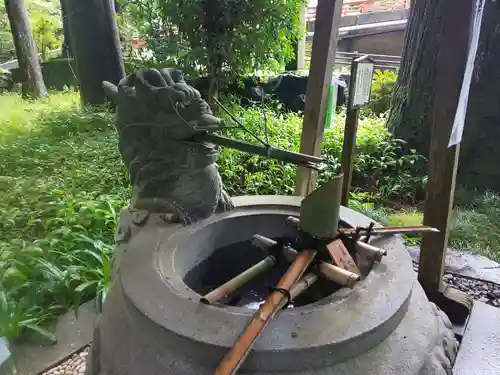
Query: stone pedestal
{"points": [[153, 323]]}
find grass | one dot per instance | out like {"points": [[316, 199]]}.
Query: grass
{"points": [[63, 182]]}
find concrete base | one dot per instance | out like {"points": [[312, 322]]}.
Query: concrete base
{"points": [[153, 323], [479, 352]]}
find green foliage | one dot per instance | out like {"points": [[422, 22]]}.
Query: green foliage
{"points": [[219, 38], [377, 168], [359, 203], [46, 24], [382, 89], [47, 30], [7, 51], [62, 182], [476, 227]]}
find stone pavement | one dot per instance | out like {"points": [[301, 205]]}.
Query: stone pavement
{"points": [[72, 335], [479, 352]]}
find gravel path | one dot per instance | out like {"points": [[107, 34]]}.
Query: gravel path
{"points": [[75, 365], [479, 290]]}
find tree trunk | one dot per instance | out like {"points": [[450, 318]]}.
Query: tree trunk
{"points": [[66, 46], [415, 90], [96, 47], [27, 56], [479, 152]]}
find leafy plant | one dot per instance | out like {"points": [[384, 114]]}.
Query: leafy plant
{"points": [[46, 25], [47, 30], [7, 51], [221, 39], [382, 87], [476, 227], [62, 183], [377, 167]]}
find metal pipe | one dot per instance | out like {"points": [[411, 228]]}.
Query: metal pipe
{"points": [[292, 221], [266, 151], [236, 282], [379, 231], [339, 275]]}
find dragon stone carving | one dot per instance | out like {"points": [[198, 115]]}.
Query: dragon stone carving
{"points": [[158, 116]]}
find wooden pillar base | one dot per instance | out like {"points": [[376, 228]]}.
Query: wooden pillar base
{"points": [[454, 303]]}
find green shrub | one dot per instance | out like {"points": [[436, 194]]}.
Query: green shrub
{"points": [[58, 74], [46, 23], [377, 168], [219, 39], [382, 88]]}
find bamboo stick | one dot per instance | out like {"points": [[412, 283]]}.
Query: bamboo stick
{"points": [[376, 231], [370, 251], [236, 282], [339, 275], [240, 350], [303, 284], [417, 229]]}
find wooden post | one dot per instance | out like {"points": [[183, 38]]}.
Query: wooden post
{"points": [[318, 86], [450, 65], [359, 95], [348, 152], [349, 145]]}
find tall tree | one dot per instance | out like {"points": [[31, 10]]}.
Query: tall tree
{"points": [[27, 56], [479, 152], [96, 46], [66, 50], [416, 87], [221, 39]]}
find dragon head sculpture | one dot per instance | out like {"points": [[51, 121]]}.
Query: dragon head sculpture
{"points": [[158, 118]]}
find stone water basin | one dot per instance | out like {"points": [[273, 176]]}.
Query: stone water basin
{"points": [[153, 323]]}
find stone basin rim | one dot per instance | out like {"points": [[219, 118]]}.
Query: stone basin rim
{"points": [[219, 326]]}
